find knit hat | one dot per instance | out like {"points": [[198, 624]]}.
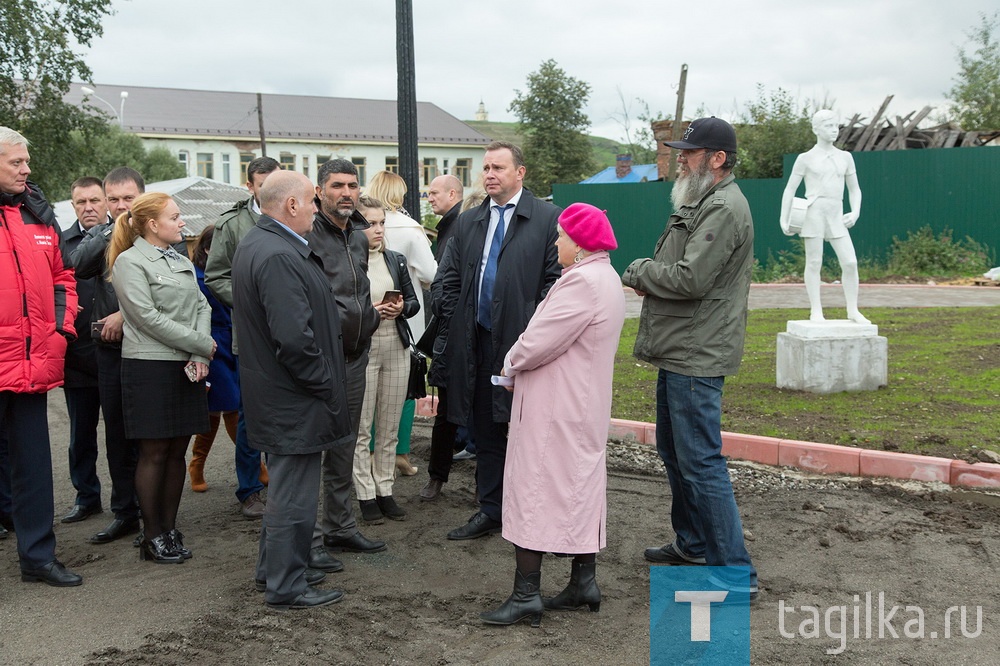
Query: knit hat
{"points": [[588, 227]]}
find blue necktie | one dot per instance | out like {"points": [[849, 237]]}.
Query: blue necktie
{"points": [[485, 317]]}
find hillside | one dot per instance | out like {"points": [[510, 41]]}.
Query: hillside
{"points": [[604, 150]]}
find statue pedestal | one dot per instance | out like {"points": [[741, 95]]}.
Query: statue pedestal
{"points": [[832, 356]]}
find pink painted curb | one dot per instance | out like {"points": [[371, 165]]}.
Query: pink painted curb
{"points": [[905, 466], [816, 457]]}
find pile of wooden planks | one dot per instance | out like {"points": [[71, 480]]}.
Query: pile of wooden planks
{"points": [[882, 134]]}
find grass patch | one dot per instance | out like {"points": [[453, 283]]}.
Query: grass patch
{"points": [[943, 396]]}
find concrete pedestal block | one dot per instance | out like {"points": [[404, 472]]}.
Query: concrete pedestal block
{"points": [[832, 356]]}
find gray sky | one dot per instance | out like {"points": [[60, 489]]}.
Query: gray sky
{"points": [[852, 51]]}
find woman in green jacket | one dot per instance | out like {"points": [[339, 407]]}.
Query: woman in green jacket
{"points": [[166, 348]]}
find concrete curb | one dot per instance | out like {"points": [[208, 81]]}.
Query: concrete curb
{"points": [[815, 457]]}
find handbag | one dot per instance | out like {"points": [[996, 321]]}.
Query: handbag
{"points": [[416, 387]]}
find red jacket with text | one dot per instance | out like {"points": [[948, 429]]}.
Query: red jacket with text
{"points": [[37, 295]]}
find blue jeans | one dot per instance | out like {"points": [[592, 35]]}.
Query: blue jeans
{"points": [[247, 462], [689, 440]]}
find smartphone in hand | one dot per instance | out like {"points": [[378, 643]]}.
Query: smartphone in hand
{"points": [[391, 296], [191, 371]]}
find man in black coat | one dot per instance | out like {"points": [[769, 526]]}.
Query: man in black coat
{"points": [[83, 398], [445, 198], [292, 379], [503, 264]]}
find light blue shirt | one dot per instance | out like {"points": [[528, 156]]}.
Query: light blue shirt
{"points": [[492, 228], [285, 227]]}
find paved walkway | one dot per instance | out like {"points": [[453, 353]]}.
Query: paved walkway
{"points": [[763, 296]]}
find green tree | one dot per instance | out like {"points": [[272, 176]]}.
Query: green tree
{"points": [[37, 64], [551, 118], [769, 128], [97, 153], [976, 94]]}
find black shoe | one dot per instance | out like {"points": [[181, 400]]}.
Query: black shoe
{"points": [[54, 574], [370, 512], [669, 555], [479, 525], [7, 522], [116, 529], [311, 598], [431, 491], [159, 549], [80, 512], [313, 576], [356, 543], [3, 532], [177, 544], [321, 560], [390, 508]]}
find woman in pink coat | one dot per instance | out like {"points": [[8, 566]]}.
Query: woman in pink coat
{"points": [[555, 479]]}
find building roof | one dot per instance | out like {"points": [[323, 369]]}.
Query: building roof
{"points": [[200, 200], [163, 112], [640, 173]]}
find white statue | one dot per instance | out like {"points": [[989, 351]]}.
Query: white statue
{"points": [[820, 216]]}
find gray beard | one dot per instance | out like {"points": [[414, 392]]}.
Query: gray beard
{"points": [[689, 189]]}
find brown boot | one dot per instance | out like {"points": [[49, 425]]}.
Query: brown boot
{"points": [[196, 468], [403, 465], [263, 473]]}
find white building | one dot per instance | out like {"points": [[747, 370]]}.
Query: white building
{"points": [[215, 134]]}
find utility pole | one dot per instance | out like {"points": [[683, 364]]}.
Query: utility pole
{"points": [[260, 125], [675, 128], [406, 107]]}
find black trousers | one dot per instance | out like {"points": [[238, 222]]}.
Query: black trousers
{"points": [[24, 419], [491, 437], [83, 404], [442, 440], [122, 452]]}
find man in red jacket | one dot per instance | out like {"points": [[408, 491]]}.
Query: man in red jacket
{"points": [[37, 310]]}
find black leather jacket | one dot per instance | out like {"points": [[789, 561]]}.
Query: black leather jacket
{"points": [[345, 260]]}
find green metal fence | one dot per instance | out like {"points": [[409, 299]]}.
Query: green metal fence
{"points": [[902, 190]]}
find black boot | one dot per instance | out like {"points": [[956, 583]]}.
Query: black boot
{"points": [[525, 602], [581, 591]]}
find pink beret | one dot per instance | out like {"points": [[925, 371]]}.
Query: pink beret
{"points": [[588, 227]]}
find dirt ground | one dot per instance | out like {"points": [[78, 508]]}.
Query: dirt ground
{"points": [[816, 541]]}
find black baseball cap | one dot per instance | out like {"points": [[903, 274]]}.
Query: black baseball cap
{"points": [[713, 133]]}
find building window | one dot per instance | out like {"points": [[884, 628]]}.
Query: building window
{"points": [[444, 167], [287, 161], [430, 169], [360, 163], [184, 158], [245, 160], [463, 170], [205, 165], [323, 159], [305, 165], [226, 173], [392, 164]]}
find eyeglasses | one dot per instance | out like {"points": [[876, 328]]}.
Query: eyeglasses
{"points": [[691, 152]]}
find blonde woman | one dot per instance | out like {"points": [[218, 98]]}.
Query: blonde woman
{"points": [[388, 371], [406, 236], [166, 349]]}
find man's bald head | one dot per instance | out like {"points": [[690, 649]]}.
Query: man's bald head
{"points": [[444, 193], [287, 196]]}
